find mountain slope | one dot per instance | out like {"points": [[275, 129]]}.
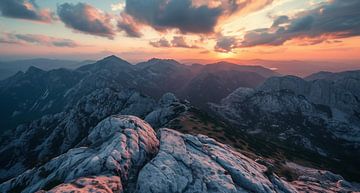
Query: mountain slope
{"points": [[55, 134], [26, 96], [262, 71], [348, 80], [313, 116], [118, 146], [210, 86]]}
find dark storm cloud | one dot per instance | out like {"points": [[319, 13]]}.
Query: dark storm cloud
{"points": [[43, 40], [180, 14], [176, 42], [24, 9], [332, 20], [188, 16], [87, 19]]}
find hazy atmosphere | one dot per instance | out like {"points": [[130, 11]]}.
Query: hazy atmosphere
{"points": [[179, 96], [325, 30]]}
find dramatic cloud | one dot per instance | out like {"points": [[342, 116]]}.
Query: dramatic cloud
{"points": [[177, 41], [330, 20], [36, 40], [25, 9], [188, 16], [161, 43], [226, 44], [180, 42], [129, 26], [87, 19]]}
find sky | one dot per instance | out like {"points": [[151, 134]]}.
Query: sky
{"points": [[138, 30]]}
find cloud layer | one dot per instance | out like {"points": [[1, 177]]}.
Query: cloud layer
{"points": [[179, 14], [176, 42], [333, 20], [25, 9], [188, 16], [226, 44], [34, 39], [86, 19]]}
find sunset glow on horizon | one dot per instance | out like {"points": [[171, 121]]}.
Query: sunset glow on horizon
{"points": [[181, 29]]}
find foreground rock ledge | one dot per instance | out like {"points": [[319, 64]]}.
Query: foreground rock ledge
{"points": [[117, 146], [118, 156], [187, 163]]}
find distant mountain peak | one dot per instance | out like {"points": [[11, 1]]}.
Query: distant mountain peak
{"points": [[33, 69], [111, 62], [163, 60], [241, 65], [113, 58]]}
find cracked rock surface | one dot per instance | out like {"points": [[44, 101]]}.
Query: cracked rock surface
{"points": [[118, 145], [187, 163], [100, 184], [122, 154]]}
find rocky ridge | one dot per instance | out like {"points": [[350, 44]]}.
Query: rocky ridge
{"points": [[49, 92], [37, 142], [117, 147], [317, 116], [123, 154]]}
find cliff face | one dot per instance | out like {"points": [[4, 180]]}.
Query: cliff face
{"points": [[339, 94], [319, 116]]}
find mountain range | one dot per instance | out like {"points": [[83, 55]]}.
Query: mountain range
{"points": [[162, 126], [36, 92], [9, 68], [300, 68]]}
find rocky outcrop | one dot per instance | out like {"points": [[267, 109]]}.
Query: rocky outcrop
{"points": [[339, 95], [317, 117], [314, 180], [52, 135], [108, 184], [187, 163], [167, 109], [123, 154], [348, 80], [287, 106], [117, 146]]}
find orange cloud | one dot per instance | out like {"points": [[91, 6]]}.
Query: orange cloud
{"points": [[86, 19], [25, 9]]}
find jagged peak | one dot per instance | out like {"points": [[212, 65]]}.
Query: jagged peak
{"points": [[113, 58], [19, 73], [169, 61], [33, 69]]}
